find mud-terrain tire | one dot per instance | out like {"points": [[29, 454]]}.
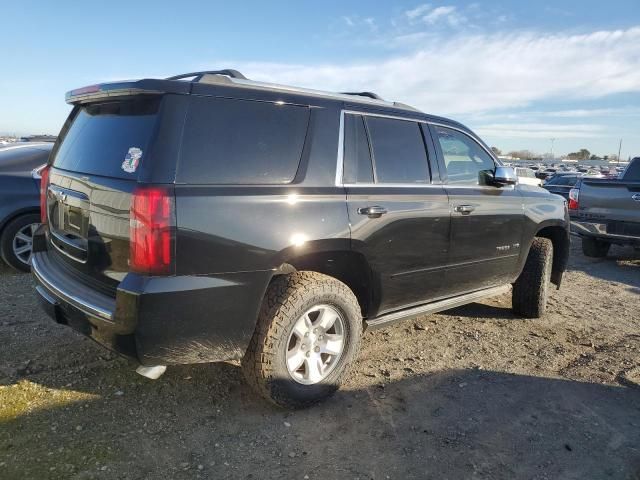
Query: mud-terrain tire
{"points": [[531, 289], [17, 240], [291, 299], [592, 247]]}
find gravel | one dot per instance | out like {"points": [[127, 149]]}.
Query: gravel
{"points": [[473, 392]]}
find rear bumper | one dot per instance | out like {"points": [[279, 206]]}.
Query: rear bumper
{"points": [[158, 320], [599, 231]]}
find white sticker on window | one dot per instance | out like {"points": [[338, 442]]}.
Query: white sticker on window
{"points": [[132, 160]]}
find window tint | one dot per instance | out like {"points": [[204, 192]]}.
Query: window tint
{"points": [[357, 158], [398, 151], [465, 160], [103, 136], [565, 180], [241, 142]]}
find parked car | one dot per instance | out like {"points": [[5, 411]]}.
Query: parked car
{"points": [[561, 183], [20, 200], [607, 211], [207, 217], [546, 173], [527, 176]]}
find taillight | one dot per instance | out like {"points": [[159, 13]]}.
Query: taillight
{"points": [[44, 185], [574, 193], [152, 230]]}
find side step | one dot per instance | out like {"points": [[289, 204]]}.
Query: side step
{"points": [[435, 307]]}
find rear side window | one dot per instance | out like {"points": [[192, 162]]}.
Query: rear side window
{"points": [[241, 142], [357, 157], [399, 153], [109, 139], [563, 180]]}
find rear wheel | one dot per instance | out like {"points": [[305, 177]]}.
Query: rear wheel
{"points": [[16, 243], [308, 334], [531, 289], [592, 247]]}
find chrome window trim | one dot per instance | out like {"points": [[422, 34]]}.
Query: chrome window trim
{"points": [[420, 185], [384, 115], [340, 165], [392, 185], [340, 157]]}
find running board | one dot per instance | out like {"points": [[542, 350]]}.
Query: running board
{"points": [[435, 307]]}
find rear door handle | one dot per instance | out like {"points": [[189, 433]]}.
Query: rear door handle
{"points": [[374, 211], [464, 209]]}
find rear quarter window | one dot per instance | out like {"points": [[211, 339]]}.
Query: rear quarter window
{"points": [[102, 134], [229, 141]]}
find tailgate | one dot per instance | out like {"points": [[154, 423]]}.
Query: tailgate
{"points": [[609, 200], [95, 168]]}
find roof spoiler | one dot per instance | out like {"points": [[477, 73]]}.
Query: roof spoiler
{"points": [[116, 89]]}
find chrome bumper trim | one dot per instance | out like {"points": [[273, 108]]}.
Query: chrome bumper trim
{"points": [[68, 297]]}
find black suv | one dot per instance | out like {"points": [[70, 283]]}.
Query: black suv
{"points": [[206, 217]]}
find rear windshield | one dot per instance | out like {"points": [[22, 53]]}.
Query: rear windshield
{"points": [[109, 139]]}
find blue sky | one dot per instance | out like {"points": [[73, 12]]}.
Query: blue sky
{"points": [[519, 73]]}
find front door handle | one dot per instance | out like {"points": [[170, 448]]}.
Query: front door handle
{"points": [[464, 209], [372, 212]]}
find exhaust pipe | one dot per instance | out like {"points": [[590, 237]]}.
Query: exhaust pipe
{"points": [[153, 373]]}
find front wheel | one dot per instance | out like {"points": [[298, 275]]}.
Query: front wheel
{"points": [[307, 335], [531, 289], [592, 247]]}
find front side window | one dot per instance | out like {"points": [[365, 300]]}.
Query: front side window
{"points": [[399, 153], [466, 162]]}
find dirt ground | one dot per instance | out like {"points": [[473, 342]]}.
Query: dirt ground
{"points": [[470, 393]]}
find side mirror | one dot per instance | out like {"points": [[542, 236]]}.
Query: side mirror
{"points": [[505, 176]]}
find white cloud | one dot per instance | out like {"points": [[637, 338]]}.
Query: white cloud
{"points": [[348, 21], [559, 114], [355, 21], [431, 16], [437, 13], [418, 11], [464, 74], [541, 130], [594, 112]]}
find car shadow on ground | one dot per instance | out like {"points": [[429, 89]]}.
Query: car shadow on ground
{"points": [[621, 265], [202, 421], [483, 311]]}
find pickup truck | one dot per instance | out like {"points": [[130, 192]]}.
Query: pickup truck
{"points": [[607, 211]]}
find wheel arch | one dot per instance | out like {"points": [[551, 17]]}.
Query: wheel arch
{"points": [[346, 265], [559, 236], [15, 214]]}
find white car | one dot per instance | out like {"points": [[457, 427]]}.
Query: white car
{"points": [[527, 176]]}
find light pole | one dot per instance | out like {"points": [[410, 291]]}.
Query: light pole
{"points": [[619, 150], [552, 140]]}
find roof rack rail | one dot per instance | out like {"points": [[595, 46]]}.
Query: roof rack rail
{"points": [[375, 96], [229, 72]]}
